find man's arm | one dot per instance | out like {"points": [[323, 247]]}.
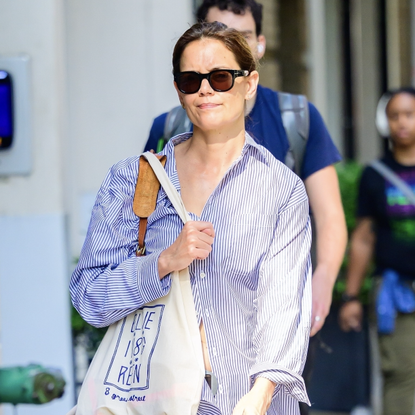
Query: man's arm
{"points": [[361, 251], [326, 206]]}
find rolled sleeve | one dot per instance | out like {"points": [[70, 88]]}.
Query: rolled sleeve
{"points": [[285, 381], [149, 285]]}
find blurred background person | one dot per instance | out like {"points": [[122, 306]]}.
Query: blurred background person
{"points": [[386, 233]]}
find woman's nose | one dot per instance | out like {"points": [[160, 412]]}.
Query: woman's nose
{"points": [[205, 87]]}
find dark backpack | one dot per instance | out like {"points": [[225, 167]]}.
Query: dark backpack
{"points": [[295, 118]]}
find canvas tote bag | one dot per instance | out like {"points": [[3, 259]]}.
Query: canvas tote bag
{"points": [[150, 362]]}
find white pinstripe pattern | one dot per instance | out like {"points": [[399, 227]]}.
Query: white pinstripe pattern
{"points": [[253, 292]]}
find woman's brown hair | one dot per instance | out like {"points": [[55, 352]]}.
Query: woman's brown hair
{"points": [[231, 38]]}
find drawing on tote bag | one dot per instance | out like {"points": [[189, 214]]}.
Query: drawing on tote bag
{"points": [[131, 362]]}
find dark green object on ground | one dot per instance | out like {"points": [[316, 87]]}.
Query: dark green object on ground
{"points": [[32, 384]]}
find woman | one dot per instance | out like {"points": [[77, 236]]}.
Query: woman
{"points": [[386, 231], [247, 246]]}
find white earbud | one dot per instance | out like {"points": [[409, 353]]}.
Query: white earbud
{"points": [[260, 47]]}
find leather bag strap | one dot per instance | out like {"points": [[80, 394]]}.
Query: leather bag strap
{"points": [[145, 197], [168, 187]]}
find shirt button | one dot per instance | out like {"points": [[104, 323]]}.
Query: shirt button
{"points": [[207, 313], [214, 351], [220, 389], [202, 275]]}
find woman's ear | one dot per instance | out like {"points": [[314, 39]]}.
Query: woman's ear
{"points": [[179, 94], [253, 79]]}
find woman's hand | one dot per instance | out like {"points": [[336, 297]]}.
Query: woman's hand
{"points": [[257, 400], [194, 242]]}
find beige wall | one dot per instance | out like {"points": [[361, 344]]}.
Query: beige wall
{"points": [[366, 79], [269, 72]]}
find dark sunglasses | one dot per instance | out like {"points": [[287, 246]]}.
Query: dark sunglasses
{"points": [[221, 80]]}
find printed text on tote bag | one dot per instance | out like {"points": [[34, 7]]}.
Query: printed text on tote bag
{"points": [[129, 368]]}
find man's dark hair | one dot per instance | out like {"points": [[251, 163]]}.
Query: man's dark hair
{"points": [[234, 6]]}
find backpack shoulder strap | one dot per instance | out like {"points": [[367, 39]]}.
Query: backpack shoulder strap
{"points": [[177, 122], [145, 197], [387, 173], [296, 120]]}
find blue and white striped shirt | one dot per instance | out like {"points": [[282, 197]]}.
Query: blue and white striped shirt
{"points": [[253, 292]]}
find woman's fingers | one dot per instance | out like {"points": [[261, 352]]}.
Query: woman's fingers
{"points": [[204, 227], [197, 236], [194, 242]]}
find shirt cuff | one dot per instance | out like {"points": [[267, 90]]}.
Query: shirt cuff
{"points": [[285, 380], [149, 285]]}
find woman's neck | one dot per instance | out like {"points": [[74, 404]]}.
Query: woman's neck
{"points": [[249, 106], [215, 147], [202, 161]]}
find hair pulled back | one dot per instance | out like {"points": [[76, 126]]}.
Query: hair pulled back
{"points": [[231, 38]]}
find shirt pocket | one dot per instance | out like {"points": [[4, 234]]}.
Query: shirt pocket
{"points": [[248, 240]]}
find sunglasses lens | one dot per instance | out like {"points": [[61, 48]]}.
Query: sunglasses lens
{"points": [[221, 81], [189, 83]]}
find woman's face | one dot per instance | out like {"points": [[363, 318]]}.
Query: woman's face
{"points": [[401, 119], [207, 108]]}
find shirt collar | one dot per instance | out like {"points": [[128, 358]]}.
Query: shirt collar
{"points": [[250, 144], [250, 148]]}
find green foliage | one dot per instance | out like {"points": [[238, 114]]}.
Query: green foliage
{"points": [[84, 333], [349, 176], [340, 286]]}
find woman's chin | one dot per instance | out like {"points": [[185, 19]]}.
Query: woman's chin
{"points": [[214, 122]]}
